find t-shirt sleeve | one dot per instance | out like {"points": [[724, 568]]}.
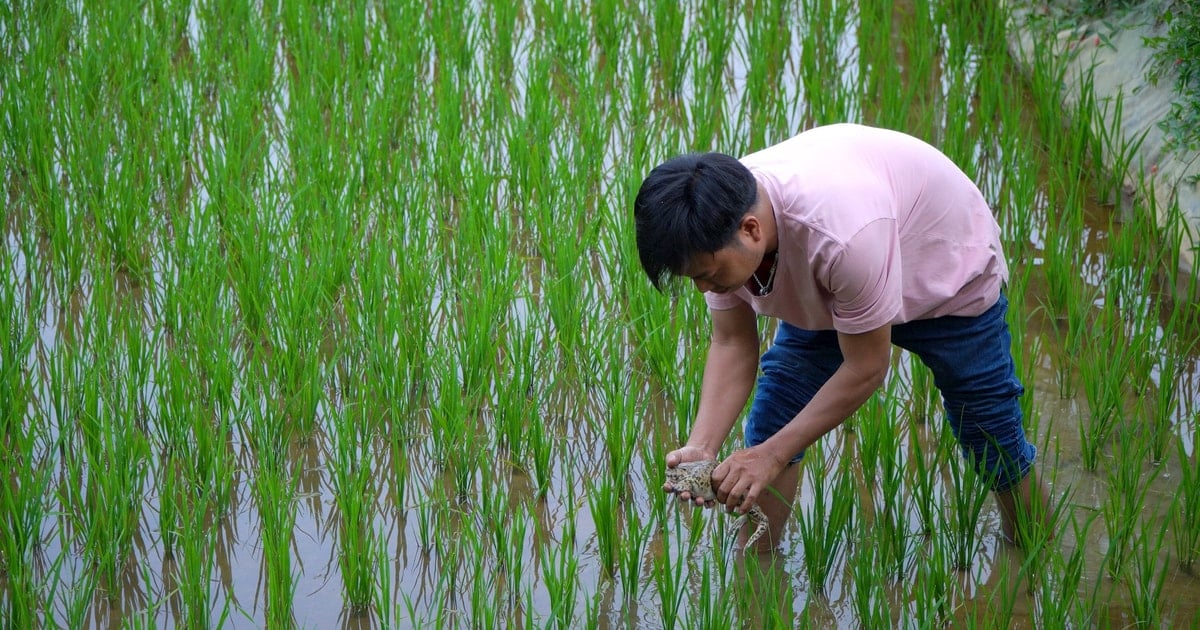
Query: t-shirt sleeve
{"points": [[865, 279]]}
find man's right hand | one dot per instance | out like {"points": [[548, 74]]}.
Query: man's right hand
{"points": [[682, 456]]}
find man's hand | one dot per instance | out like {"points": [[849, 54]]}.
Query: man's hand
{"points": [[682, 456], [742, 478]]}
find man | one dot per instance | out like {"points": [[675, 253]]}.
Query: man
{"points": [[855, 238]]}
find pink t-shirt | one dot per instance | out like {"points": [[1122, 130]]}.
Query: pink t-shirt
{"points": [[875, 227]]}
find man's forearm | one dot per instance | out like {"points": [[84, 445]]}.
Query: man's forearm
{"points": [[729, 373], [834, 402]]}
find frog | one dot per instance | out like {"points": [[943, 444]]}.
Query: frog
{"points": [[695, 478]]}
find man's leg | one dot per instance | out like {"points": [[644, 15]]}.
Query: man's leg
{"points": [[972, 366], [1026, 503], [795, 366]]}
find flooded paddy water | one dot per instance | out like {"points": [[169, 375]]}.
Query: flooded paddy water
{"points": [[330, 316]]}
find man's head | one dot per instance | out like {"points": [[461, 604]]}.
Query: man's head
{"points": [[690, 209]]}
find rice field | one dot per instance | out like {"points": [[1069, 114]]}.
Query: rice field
{"points": [[329, 314]]}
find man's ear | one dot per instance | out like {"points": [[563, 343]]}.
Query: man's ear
{"points": [[751, 227]]}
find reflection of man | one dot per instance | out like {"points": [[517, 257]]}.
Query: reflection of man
{"points": [[855, 238]]}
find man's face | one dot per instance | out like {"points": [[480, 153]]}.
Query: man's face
{"points": [[724, 270]]}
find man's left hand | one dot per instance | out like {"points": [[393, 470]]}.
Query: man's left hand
{"points": [[742, 478]]}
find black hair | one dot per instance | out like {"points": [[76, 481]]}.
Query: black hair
{"points": [[688, 205]]}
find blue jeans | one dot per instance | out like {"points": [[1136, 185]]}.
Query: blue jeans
{"points": [[972, 367]]}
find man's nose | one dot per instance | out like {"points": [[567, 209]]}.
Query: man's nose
{"points": [[703, 286]]}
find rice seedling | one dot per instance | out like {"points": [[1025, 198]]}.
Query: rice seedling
{"points": [[602, 501], [352, 475], [824, 527], [870, 603], [968, 492], [1126, 500], [1105, 394], [933, 587], [399, 236], [878, 428], [922, 478], [636, 538], [1149, 573], [269, 437], [1056, 587], [1186, 507], [667, 575], [762, 591], [106, 416], [22, 445], [560, 569]]}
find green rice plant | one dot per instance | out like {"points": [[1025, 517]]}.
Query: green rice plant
{"points": [[454, 434], [478, 311], [483, 601], [1025, 352], [714, 44], [1149, 573], [75, 600], [632, 552], [924, 461], [1105, 391], [880, 448], [870, 427], [1062, 257], [516, 556], [269, 437], [352, 476], [1111, 141], [624, 409], [107, 452], [541, 451], [1169, 364], [23, 447], [878, 73], [1186, 507], [560, 570], [505, 522], [1056, 598], [821, 62], [669, 586], [1001, 600], [426, 522], [767, 45], [914, 107], [1126, 500], [1047, 74], [868, 591], [932, 592], [761, 591], [823, 529], [923, 400], [196, 554], [968, 491], [23, 500], [671, 43], [707, 611], [603, 499], [519, 395], [294, 337]]}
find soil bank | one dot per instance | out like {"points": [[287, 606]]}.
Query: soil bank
{"points": [[1114, 51]]}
